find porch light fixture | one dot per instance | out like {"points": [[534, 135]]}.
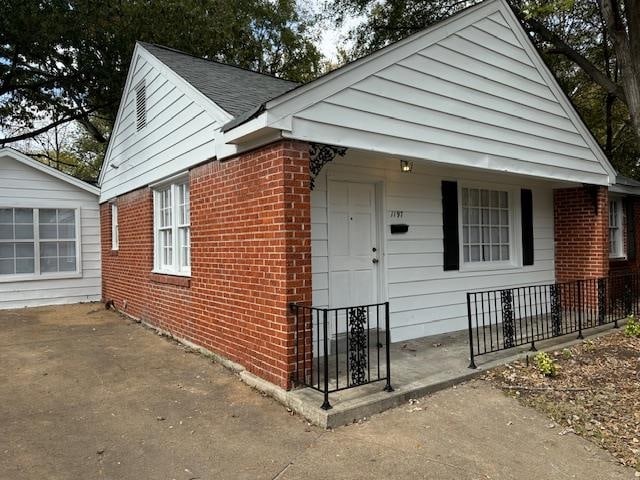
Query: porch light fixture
{"points": [[406, 166]]}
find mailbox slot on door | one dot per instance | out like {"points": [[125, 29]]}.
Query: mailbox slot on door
{"points": [[399, 228]]}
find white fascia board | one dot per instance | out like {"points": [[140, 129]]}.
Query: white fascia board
{"points": [[248, 129], [247, 136], [254, 139], [30, 162]]}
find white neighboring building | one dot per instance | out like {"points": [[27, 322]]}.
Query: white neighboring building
{"points": [[49, 235]]}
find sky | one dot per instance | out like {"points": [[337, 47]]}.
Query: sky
{"points": [[331, 36]]}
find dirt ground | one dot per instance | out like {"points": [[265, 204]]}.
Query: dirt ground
{"points": [[85, 393], [595, 392]]}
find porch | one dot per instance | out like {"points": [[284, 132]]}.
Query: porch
{"points": [[419, 367], [418, 240], [359, 371]]}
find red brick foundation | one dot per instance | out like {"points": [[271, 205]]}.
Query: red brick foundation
{"points": [[250, 254], [581, 230]]}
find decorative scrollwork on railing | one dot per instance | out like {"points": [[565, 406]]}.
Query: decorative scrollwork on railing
{"points": [[602, 301], [319, 155], [556, 310], [508, 330], [357, 332]]}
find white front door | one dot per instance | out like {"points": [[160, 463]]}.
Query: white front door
{"points": [[353, 248]]}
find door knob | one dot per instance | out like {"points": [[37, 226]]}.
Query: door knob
{"points": [[374, 260]]}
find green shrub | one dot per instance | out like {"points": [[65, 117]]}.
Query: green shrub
{"points": [[632, 328], [567, 354], [545, 364]]}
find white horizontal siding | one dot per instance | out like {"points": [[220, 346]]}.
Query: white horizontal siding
{"points": [[21, 185], [474, 97], [319, 243], [179, 133], [424, 299]]}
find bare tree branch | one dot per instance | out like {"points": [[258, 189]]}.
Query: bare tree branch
{"points": [[560, 46], [46, 128], [48, 157], [85, 121]]}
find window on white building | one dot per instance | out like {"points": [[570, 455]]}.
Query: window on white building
{"points": [[115, 228], [616, 223], [38, 242], [486, 226], [172, 244]]}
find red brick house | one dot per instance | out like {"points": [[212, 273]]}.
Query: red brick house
{"points": [[446, 162]]}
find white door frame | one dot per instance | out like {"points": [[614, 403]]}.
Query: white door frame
{"points": [[380, 207]]}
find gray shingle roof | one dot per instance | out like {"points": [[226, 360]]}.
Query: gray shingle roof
{"points": [[626, 181], [234, 89], [625, 185]]}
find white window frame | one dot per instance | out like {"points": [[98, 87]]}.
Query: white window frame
{"points": [[115, 228], [620, 227], [175, 267], [37, 275], [515, 234]]}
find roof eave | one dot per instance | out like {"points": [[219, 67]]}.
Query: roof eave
{"points": [[249, 130]]}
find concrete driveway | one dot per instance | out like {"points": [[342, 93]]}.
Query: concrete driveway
{"points": [[86, 394]]}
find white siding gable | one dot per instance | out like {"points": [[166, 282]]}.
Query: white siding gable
{"points": [[22, 185], [471, 91], [179, 131]]}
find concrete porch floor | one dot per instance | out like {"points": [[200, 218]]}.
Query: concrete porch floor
{"points": [[418, 367]]}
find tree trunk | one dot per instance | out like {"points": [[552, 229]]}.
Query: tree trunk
{"points": [[608, 117], [627, 46]]}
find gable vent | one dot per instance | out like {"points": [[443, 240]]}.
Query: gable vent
{"points": [[141, 105]]}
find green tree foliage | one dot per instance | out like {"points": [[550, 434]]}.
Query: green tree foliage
{"points": [[66, 60], [70, 148], [580, 42]]}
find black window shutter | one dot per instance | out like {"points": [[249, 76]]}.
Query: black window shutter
{"points": [[450, 225], [631, 228], [526, 207]]}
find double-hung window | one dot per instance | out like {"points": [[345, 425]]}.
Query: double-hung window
{"points": [[38, 242], [616, 222], [486, 226], [172, 245]]}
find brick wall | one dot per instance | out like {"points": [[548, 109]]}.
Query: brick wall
{"points": [[250, 255], [581, 230]]}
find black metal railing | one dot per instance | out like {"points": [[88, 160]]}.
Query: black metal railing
{"points": [[341, 348], [511, 317]]}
